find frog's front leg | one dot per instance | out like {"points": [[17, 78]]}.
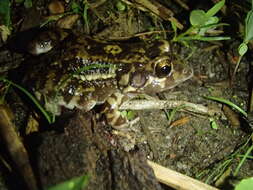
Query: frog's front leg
{"points": [[112, 113]]}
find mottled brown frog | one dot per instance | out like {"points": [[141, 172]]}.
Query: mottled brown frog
{"points": [[87, 72]]}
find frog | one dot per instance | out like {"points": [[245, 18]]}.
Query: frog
{"points": [[87, 72]]}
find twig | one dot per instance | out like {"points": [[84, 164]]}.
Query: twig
{"points": [[15, 147], [139, 34], [183, 4], [156, 8], [177, 180]]}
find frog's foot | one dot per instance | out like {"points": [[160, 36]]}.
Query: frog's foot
{"points": [[118, 121]]}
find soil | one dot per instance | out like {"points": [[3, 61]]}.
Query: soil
{"points": [[194, 144]]}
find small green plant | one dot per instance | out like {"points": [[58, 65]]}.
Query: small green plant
{"points": [[248, 36], [201, 23], [225, 165], [120, 6], [247, 148], [245, 156], [129, 114], [170, 114], [245, 184], [77, 183], [213, 123], [82, 10]]}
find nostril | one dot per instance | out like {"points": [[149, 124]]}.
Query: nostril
{"points": [[185, 71]]}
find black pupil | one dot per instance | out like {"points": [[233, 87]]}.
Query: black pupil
{"points": [[45, 44], [165, 70]]}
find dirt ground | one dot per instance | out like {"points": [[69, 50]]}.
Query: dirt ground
{"points": [[205, 147]]}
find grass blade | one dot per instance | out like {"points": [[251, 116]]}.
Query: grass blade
{"points": [[34, 100], [5, 11], [211, 12], [222, 100], [243, 160]]}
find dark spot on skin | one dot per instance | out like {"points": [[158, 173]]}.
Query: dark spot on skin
{"points": [[153, 50], [73, 51], [123, 69], [153, 53], [120, 121]]}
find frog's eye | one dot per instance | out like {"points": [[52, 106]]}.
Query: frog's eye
{"points": [[163, 68], [44, 42], [39, 46]]}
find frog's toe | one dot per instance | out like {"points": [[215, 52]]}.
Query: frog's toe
{"points": [[127, 125], [118, 121]]}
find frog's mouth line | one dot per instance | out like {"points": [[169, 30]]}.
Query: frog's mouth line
{"points": [[179, 81]]}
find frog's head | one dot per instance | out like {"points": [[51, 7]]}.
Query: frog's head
{"points": [[162, 73]]}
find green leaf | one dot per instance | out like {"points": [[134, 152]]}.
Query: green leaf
{"points": [[245, 184], [211, 12], [130, 115], [242, 49], [76, 8], [120, 6], [202, 38], [198, 17], [212, 20], [249, 27], [213, 123], [174, 27], [77, 183], [214, 25], [85, 16], [5, 9]]}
